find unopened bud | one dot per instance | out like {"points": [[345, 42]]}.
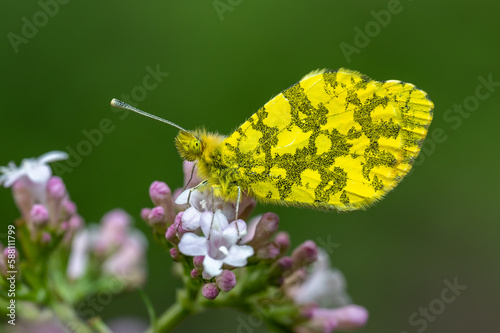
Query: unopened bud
{"points": [[226, 280], [157, 215], [282, 241], [305, 254], [39, 215], [266, 227], [145, 213], [210, 291]]}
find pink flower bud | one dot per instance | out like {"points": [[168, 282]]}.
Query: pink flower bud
{"points": [[175, 231], [268, 251], [174, 253], [280, 268], [198, 261], [305, 254], [282, 241], [265, 228], [56, 197], [171, 234], [285, 263], [23, 199], [46, 238], [39, 215], [75, 222], [210, 291], [195, 273], [178, 221], [157, 215], [69, 207], [56, 188], [161, 195], [159, 192], [145, 213], [226, 281]]}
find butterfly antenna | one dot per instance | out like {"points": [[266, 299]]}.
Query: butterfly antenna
{"points": [[122, 105]]}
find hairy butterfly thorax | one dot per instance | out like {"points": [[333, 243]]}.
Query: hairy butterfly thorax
{"points": [[205, 148]]}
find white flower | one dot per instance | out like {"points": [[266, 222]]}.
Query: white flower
{"points": [[34, 172], [201, 202], [324, 286], [219, 246]]}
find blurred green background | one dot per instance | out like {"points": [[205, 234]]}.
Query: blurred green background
{"points": [[223, 63]]}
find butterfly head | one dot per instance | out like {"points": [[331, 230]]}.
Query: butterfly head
{"points": [[190, 147]]}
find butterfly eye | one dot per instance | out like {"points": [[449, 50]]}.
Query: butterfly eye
{"points": [[195, 146]]}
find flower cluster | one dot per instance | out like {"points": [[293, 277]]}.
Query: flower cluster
{"points": [[42, 199], [59, 261], [218, 248], [225, 261], [113, 249]]}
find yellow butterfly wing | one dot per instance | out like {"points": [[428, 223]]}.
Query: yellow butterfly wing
{"points": [[335, 140]]}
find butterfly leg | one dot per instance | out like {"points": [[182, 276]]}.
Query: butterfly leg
{"points": [[236, 212], [237, 203], [190, 178], [203, 183], [213, 212]]}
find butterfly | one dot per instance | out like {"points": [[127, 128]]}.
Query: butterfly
{"points": [[335, 140]]}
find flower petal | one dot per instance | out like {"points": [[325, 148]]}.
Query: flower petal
{"points": [[191, 219], [212, 266], [233, 234], [346, 318], [39, 174], [182, 199], [238, 255], [78, 257], [222, 220], [228, 210], [252, 224], [193, 245], [206, 222], [10, 177], [52, 156]]}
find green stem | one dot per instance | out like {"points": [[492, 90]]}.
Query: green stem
{"points": [[170, 319], [185, 305], [70, 319], [99, 326], [149, 307]]}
